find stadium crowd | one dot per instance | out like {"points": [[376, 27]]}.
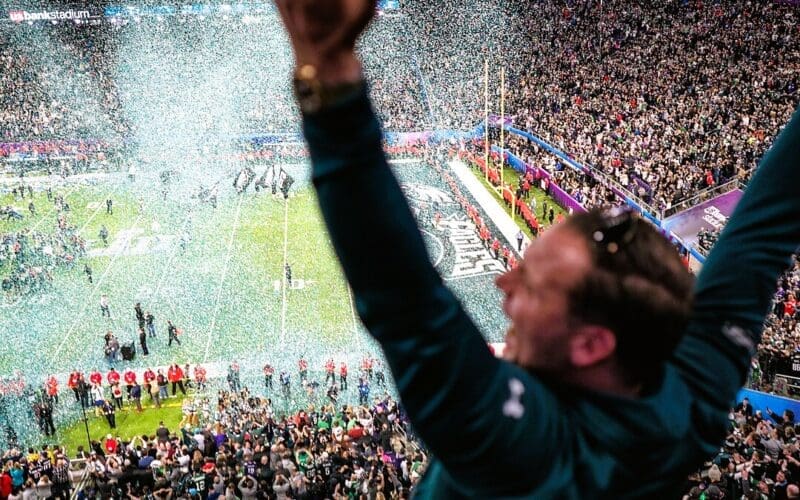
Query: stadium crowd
{"points": [[666, 98], [707, 237], [760, 458], [77, 81], [230, 444]]}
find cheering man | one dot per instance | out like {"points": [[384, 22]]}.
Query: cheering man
{"points": [[620, 372]]}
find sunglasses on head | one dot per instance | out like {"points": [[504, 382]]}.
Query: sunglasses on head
{"points": [[617, 228]]}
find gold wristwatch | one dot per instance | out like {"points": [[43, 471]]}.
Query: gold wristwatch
{"points": [[312, 95]]}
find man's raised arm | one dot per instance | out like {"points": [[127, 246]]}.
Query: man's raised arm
{"points": [[452, 387], [739, 279]]}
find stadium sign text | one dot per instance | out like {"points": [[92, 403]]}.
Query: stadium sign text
{"points": [[19, 16]]}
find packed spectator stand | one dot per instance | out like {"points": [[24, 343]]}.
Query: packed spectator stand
{"points": [[232, 443]]}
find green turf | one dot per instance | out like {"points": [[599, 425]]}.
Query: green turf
{"points": [[512, 176], [129, 424], [226, 291]]}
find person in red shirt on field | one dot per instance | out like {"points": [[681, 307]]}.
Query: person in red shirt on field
{"points": [[268, 372], [302, 366], [52, 388], [6, 484], [200, 377], [175, 375], [484, 234], [343, 376], [72, 383], [96, 378], [113, 377], [149, 376], [130, 380], [512, 262], [496, 248], [506, 253], [330, 368], [366, 367]]}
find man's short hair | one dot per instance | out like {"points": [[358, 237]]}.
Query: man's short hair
{"points": [[638, 288]]}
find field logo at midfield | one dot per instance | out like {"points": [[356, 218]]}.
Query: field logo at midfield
{"points": [[426, 194], [129, 243], [471, 257]]}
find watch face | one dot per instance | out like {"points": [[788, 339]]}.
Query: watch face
{"points": [[309, 100]]}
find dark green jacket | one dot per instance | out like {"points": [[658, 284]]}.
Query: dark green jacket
{"points": [[563, 443]]}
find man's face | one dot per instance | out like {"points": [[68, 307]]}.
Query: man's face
{"points": [[537, 299]]}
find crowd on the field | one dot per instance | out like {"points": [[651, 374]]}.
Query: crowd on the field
{"points": [[28, 257], [230, 443], [233, 445]]}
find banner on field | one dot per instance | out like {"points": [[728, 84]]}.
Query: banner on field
{"points": [[711, 215]]}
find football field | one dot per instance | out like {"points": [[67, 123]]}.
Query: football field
{"points": [[226, 288]]}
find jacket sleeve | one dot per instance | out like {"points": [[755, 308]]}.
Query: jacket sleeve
{"points": [[738, 280], [452, 387]]}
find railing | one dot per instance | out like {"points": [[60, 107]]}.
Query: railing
{"points": [[77, 475], [702, 196], [608, 182], [591, 171]]}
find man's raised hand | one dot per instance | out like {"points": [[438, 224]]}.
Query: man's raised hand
{"points": [[323, 34]]}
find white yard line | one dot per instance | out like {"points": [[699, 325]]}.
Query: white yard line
{"points": [[284, 283], [352, 308], [168, 266], [94, 214], [79, 317], [222, 279]]}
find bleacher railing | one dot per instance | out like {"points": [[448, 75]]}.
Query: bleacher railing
{"points": [[702, 196]]}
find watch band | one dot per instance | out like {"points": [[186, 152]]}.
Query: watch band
{"points": [[313, 96]]}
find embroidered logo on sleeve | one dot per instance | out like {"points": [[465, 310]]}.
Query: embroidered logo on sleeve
{"points": [[739, 336], [513, 406]]}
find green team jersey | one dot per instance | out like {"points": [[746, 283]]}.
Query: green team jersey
{"points": [[497, 431]]}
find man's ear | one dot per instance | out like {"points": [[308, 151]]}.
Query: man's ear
{"points": [[591, 344]]}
